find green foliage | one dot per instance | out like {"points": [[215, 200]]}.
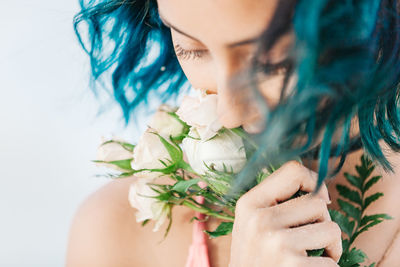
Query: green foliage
{"points": [[184, 185], [225, 228], [353, 203], [315, 252], [219, 181], [178, 139], [352, 258], [175, 152], [262, 175], [176, 155], [345, 224], [124, 164], [127, 146]]}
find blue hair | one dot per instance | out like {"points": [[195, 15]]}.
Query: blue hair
{"points": [[346, 58], [120, 37], [347, 61]]}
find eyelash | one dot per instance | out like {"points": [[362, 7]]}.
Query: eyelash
{"points": [[185, 54]]}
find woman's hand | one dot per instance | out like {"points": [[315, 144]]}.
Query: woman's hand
{"points": [[271, 230]]}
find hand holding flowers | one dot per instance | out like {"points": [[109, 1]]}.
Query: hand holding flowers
{"points": [[189, 145]]}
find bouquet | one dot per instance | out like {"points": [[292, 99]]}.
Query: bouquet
{"points": [[189, 148]]}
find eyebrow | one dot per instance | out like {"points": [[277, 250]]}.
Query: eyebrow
{"points": [[232, 45]]}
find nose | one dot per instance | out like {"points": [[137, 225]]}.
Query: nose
{"points": [[237, 104], [230, 106]]}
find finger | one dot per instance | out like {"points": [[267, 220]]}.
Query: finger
{"points": [[318, 262], [299, 211], [283, 184], [325, 235]]}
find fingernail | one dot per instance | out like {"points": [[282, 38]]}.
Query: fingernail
{"points": [[325, 196]]}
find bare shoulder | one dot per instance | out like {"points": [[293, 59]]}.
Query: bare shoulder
{"points": [[101, 229], [392, 254], [104, 233]]}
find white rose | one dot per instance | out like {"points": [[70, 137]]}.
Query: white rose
{"points": [[201, 113], [165, 124], [225, 148], [148, 153], [148, 208], [112, 151]]}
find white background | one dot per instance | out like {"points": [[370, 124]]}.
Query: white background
{"points": [[49, 131]]}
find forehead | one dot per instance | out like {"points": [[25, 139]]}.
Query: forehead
{"points": [[219, 21]]}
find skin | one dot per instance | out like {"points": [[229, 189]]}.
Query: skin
{"points": [[105, 233], [228, 24]]}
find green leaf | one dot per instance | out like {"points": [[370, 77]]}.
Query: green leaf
{"points": [[218, 181], [372, 198], [349, 194], [365, 160], [127, 146], [364, 171], [224, 228], [174, 151], [184, 185], [299, 194], [315, 252], [169, 216], [185, 166], [368, 218], [345, 244], [164, 197], [167, 170], [344, 223], [356, 181], [145, 222], [186, 127], [371, 182], [124, 164], [369, 225], [125, 174], [352, 258], [349, 209]]}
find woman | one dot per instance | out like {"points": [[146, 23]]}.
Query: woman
{"points": [[323, 74]]}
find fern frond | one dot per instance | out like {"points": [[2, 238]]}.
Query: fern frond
{"points": [[353, 203]]}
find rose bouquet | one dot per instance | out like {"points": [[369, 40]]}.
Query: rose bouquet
{"points": [[189, 148]]}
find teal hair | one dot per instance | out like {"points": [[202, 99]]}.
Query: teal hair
{"points": [[347, 61], [127, 41], [346, 58]]}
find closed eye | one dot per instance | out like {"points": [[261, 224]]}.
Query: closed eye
{"points": [[185, 54]]}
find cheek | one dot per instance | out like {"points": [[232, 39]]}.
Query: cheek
{"points": [[272, 87], [199, 72]]}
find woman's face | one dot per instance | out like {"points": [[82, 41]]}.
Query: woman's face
{"points": [[214, 40]]}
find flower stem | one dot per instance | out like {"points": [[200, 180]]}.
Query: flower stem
{"points": [[207, 211]]}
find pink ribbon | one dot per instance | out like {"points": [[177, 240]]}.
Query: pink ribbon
{"points": [[198, 252]]}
